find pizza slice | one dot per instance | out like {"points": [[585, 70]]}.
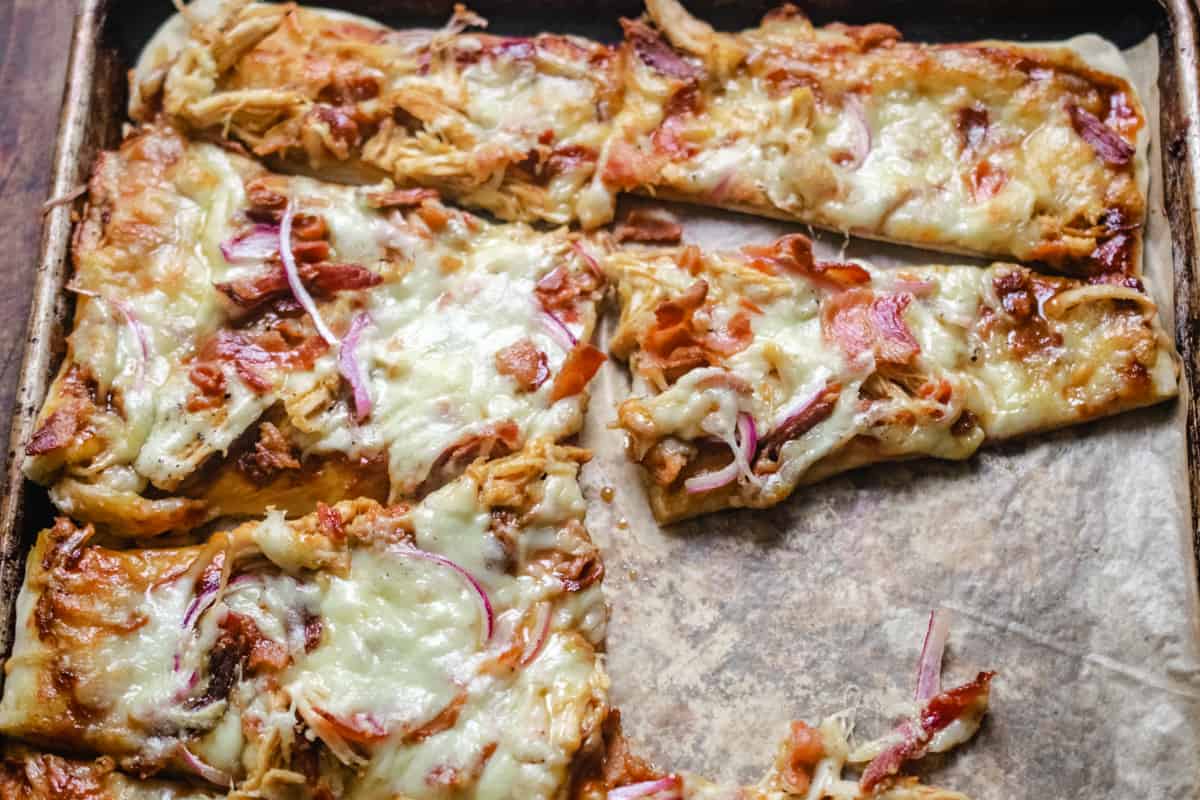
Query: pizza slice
{"points": [[760, 370], [244, 339], [988, 148], [450, 647], [29, 775], [513, 125]]}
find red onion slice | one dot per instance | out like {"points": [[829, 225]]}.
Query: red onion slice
{"points": [[862, 130], [929, 666], [542, 623], [257, 244], [352, 369], [293, 276], [206, 771], [747, 446], [488, 614], [586, 256], [135, 325], [668, 788], [558, 330]]}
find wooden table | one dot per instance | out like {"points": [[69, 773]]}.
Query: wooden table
{"points": [[35, 38]]}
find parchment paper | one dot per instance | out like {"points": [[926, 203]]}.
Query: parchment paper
{"points": [[1066, 560]]}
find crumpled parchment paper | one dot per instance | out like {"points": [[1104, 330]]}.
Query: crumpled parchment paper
{"points": [[1065, 559]]}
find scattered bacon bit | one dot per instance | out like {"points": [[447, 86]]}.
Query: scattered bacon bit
{"points": [[867, 37], [266, 204], [627, 167], [972, 124], [310, 252], [444, 720], [656, 53], [560, 289], [360, 728], [666, 459], [1107, 143], [565, 159], [1022, 296], [581, 364], [249, 354], [652, 225], [861, 322], [67, 421], [271, 455], [434, 215], [987, 180], [579, 572], [939, 712], [524, 363], [330, 521], [313, 628], [1115, 254], [668, 137], [240, 647], [401, 198], [309, 228], [966, 422], [793, 253], [323, 279], [675, 344], [801, 753], [347, 91], [342, 126]]}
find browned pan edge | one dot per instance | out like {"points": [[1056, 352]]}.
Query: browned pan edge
{"points": [[91, 118]]}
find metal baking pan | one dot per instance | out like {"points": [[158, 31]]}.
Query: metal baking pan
{"points": [[109, 33]]}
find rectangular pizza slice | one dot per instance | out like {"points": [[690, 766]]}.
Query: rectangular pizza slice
{"points": [[988, 148], [29, 775], [445, 648], [245, 339], [513, 125], [759, 370]]}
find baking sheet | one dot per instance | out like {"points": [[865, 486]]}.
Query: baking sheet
{"points": [[1066, 561]]}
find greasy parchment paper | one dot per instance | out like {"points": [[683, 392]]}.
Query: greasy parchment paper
{"points": [[1066, 561]]}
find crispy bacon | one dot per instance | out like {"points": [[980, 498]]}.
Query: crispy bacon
{"points": [[580, 572], [1115, 254], [793, 253], [560, 289], [652, 225], [801, 752], [525, 363], [322, 279], [798, 422], [987, 180], [1107, 143], [210, 380], [240, 647], [401, 198], [330, 521], [271, 454], [675, 344], [656, 53], [581, 364], [250, 354], [266, 204], [972, 124], [628, 167], [359, 728], [941, 710], [445, 720], [68, 420], [862, 322], [494, 440]]}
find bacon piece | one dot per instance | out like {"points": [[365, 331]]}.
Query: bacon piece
{"points": [[266, 204], [987, 180], [323, 279], [359, 728], [240, 647], [675, 344], [799, 422], [58, 430], [793, 253], [210, 380], [1107, 143], [401, 198], [525, 363], [579, 572], [560, 289], [582, 363], [652, 225], [271, 455], [861, 322], [330, 521], [1115, 254], [656, 53], [800, 754], [941, 710], [444, 720], [250, 354], [313, 629], [972, 124], [1022, 296], [628, 167]]}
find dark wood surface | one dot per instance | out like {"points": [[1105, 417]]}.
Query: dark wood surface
{"points": [[35, 38]]}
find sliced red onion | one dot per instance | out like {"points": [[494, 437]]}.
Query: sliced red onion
{"points": [[542, 622], [558, 330], [801, 407], [257, 244], [135, 325], [206, 771], [586, 256], [293, 276], [747, 446], [668, 788], [488, 615], [862, 130], [929, 666], [352, 369], [200, 603]]}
